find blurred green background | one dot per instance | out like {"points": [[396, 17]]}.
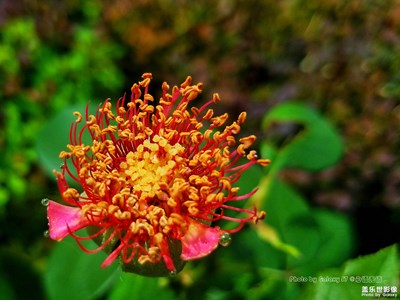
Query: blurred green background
{"points": [[320, 81]]}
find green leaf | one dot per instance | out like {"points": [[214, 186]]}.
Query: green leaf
{"points": [[383, 263], [74, 274], [316, 147], [5, 288], [324, 238], [382, 267], [18, 277], [283, 206], [269, 234], [281, 203], [302, 233], [336, 238], [130, 286], [273, 285], [247, 252]]}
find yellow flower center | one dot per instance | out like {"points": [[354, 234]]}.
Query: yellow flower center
{"points": [[153, 165]]}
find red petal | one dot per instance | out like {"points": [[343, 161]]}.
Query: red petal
{"points": [[63, 220], [200, 240]]}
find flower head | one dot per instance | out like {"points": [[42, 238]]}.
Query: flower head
{"points": [[153, 180]]}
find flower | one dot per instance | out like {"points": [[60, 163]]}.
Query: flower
{"points": [[153, 179]]}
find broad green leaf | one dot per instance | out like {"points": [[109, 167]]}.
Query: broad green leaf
{"points": [[248, 250], [74, 274], [324, 238], [383, 263], [346, 282], [269, 234], [302, 232], [336, 238], [247, 256], [316, 147], [214, 293], [5, 288], [281, 203], [131, 286], [273, 285], [18, 278]]}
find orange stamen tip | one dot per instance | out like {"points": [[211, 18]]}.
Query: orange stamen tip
{"points": [[252, 155], [220, 120], [147, 75], [135, 88], [79, 116], [57, 173], [260, 216], [148, 97], [165, 86], [187, 82], [248, 141], [263, 162], [216, 98], [240, 150], [145, 82], [242, 118]]}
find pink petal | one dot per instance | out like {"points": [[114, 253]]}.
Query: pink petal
{"points": [[63, 220], [200, 240]]}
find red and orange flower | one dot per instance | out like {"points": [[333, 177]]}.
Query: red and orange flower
{"points": [[153, 180]]}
